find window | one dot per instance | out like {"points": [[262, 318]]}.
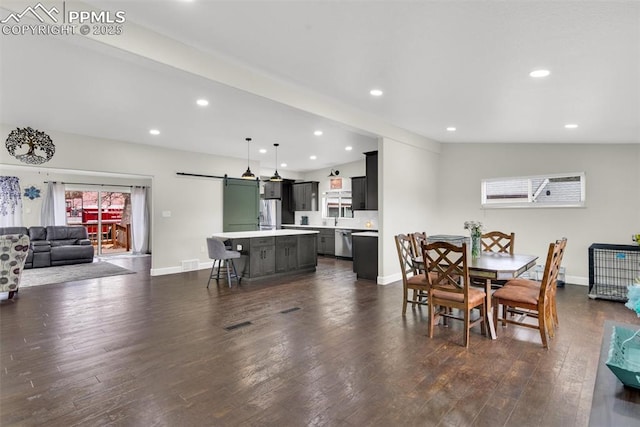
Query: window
{"points": [[561, 190], [337, 204]]}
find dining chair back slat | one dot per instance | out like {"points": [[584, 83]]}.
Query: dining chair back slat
{"points": [[417, 239], [497, 241]]}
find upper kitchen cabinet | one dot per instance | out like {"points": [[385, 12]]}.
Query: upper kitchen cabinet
{"points": [[359, 193], [364, 189], [281, 190], [277, 189], [372, 180], [305, 196]]}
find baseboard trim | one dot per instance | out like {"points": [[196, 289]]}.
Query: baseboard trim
{"points": [[173, 270], [577, 280], [387, 280]]}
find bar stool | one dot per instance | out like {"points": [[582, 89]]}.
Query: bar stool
{"points": [[218, 252]]}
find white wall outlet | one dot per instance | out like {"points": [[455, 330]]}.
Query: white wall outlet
{"points": [[238, 247], [166, 214], [202, 249]]}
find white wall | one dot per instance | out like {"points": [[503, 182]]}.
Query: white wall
{"points": [[611, 215], [195, 203], [408, 179]]}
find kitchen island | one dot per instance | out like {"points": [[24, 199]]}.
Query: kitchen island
{"points": [[273, 252]]}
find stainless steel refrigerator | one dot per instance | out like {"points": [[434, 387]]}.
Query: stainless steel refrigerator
{"points": [[270, 214]]}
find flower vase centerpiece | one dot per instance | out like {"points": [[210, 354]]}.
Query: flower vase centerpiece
{"points": [[475, 229]]}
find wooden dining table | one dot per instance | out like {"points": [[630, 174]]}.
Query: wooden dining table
{"points": [[491, 266]]}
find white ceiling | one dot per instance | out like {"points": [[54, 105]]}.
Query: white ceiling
{"points": [[440, 64]]}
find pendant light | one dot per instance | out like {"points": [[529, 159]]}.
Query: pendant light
{"points": [[276, 176], [248, 174]]}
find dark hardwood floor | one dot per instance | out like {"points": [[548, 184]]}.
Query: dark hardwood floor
{"points": [[320, 349]]}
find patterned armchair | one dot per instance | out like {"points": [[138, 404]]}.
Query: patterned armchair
{"points": [[14, 249]]}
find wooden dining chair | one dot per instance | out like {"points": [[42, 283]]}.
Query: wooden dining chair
{"points": [[497, 241], [411, 277], [447, 274], [417, 239], [532, 300], [534, 284]]}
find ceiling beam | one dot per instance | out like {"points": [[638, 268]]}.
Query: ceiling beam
{"points": [[159, 48]]}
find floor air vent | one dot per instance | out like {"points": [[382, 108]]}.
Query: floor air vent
{"points": [[190, 264], [237, 325]]}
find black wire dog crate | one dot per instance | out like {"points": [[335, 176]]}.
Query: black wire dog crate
{"points": [[611, 269]]}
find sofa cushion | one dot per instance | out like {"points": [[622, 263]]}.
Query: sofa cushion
{"points": [[65, 242], [71, 254], [41, 246], [61, 232], [37, 233], [13, 230]]}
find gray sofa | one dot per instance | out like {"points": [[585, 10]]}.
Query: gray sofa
{"points": [[55, 245]]}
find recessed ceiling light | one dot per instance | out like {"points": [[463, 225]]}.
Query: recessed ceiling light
{"points": [[539, 73], [202, 102], [376, 92], [312, 157], [317, 133], [154, 131], [571, 126], [451, 129], [348, 148], [263, 150], [283, 165]]}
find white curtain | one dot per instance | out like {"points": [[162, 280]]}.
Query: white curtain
{"points": [[10, 202], [139, 220], [53, 206]]}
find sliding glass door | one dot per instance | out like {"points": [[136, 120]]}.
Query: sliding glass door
{"points": [[105, 214]]}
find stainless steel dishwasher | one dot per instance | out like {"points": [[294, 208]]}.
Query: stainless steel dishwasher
{"points": [[344, 246]]}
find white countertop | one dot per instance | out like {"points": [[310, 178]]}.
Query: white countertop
{"points": [[333, 227], [261, 233], [366, 234]]}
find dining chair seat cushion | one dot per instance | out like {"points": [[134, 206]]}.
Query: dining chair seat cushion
{"points": [[524, 282], [418, 280], [520, 294], [476, 296]]}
